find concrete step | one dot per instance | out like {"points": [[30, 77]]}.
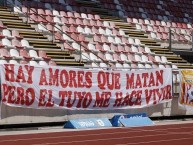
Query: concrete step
{"points": [[122, 24], [67, 63], [33, 37], [20, 27], [45, 46], [149, 44], [54, 52], [59, 57], [165, 53]]}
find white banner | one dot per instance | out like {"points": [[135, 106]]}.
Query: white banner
{"points": [[71, 88]]}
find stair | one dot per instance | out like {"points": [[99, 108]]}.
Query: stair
{"points": [[131, 31], [33, 35], [37, 39], [17, 25]]}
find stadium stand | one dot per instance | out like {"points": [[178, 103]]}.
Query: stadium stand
{"points": [[143, 27], [118, 34], [96, 29], [16, 34]]}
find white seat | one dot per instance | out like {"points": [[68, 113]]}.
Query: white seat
{"points": [[148, 65], [94, 66], [189, 26], [155, 36], [147, 22], [164, 59], [109, 57], [126, 67], [17, 9], [140, 66], [124, 58], [65, 37], [33, 53], [57, 27], [158, 59], [163, 23], [161, 66], [107, 48], [88, 31], [135, 49], [13, 62], [80, 29], [14, 53], [43, 63], [7, 34], [119, 66], [106, 24], [118, 40], [56, 13], [138, 42], [147, 49], [3, 61], [131, 41], [92, 47], [138, 27], [57, 20], [76, 46], [84, 16], [149, 28], [42, 28], [183, 31], [94, 57], [145, 59], [138, 58], [33, 63], [102, 31], [135, 20], [25, 44], [85, 56], [188, 37], [7, 43], [111, 40], [121, 32], [109, 32], [174, 66], [103, 65]]}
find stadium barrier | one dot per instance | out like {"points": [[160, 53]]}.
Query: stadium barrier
{"points": [[131, 120], [88, 123]]}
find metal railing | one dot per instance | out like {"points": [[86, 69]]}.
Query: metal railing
{"points": [[7, 3]]}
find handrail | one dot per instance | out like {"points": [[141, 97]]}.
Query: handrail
{"points": [[80, 51]]}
